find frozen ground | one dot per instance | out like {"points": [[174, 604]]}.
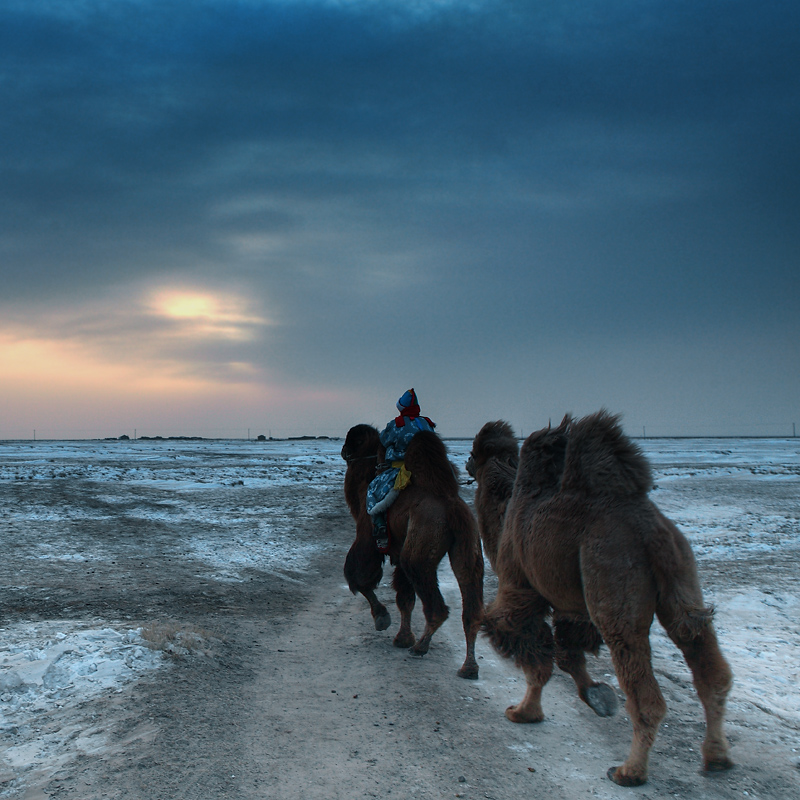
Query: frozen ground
{"points": [[739, 503], [124, 557], [71, 508]]}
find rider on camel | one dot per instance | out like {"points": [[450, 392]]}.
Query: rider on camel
{"points": [[392, 475]]}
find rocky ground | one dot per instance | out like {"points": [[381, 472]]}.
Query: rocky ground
{"points": [[212, 579]]}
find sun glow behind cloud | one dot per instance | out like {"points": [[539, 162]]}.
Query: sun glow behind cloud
{"points": [[207, 314]]}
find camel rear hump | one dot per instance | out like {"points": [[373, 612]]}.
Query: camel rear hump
{"points": [[426, 459], [601, 460]]}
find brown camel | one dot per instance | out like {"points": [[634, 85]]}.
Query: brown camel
{"points": [[427, 521], [493, 463], [582, 541]]}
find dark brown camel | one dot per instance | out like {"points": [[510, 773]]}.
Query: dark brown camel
{"points": [[427, 521], [493, 463], [582, 541]]}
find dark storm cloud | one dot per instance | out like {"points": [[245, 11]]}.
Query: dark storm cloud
{"points": [[476, 170]]}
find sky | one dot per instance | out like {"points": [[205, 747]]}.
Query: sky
{"points": [[243, 217]]}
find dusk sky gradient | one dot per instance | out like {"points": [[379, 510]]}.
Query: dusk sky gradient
{"points": [[222, 215]]}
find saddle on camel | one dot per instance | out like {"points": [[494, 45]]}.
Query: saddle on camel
{"points": [[578, 540], [427, 520]]}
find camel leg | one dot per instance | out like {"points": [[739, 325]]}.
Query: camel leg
{"points": [[713, 679], [622, 605], [516, 627], [630, 651], [363, 569], [574, 638], [466, 560], [406, 599], [425, 581], [380, 614], [529, 709]]}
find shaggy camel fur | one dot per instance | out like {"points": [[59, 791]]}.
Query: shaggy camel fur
{"points": [[493, 463], [582, 541], [427, 521]]}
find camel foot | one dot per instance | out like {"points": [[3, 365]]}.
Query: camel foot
{"points": [[404, 639], [616, 775], [382, 621], [469, 671], [419, 649], [602, 699], [514, 714], [718, 765]]}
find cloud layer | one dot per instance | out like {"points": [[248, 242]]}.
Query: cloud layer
{"points": [[518, 210]]}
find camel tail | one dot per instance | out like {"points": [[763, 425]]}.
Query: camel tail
{"points": [[460, 521], [679, 605], [465, 552], [466, 561], [602, 460]]}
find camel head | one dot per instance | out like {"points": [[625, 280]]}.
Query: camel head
{"points": [[494, 440], [361, 442]]}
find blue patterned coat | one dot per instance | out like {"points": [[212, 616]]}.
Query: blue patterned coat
{"points": [[395, 439]]}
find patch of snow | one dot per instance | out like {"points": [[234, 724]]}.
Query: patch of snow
{"points": [[65, 662], [268, 544]]}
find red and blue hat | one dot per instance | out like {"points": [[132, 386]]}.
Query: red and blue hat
{"points": [[407, 402]]}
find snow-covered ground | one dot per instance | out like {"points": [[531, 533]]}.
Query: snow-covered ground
{"points": [[738, 501]]}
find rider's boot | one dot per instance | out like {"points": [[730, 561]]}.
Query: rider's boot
{"points": [[380, 532]]}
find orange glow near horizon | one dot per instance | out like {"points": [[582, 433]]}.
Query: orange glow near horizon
{"points": [[97, 340], [59, 366], [63, 388], [64, 391]]}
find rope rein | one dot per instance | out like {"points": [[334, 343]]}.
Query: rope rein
{"points": [[360, 458]]}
